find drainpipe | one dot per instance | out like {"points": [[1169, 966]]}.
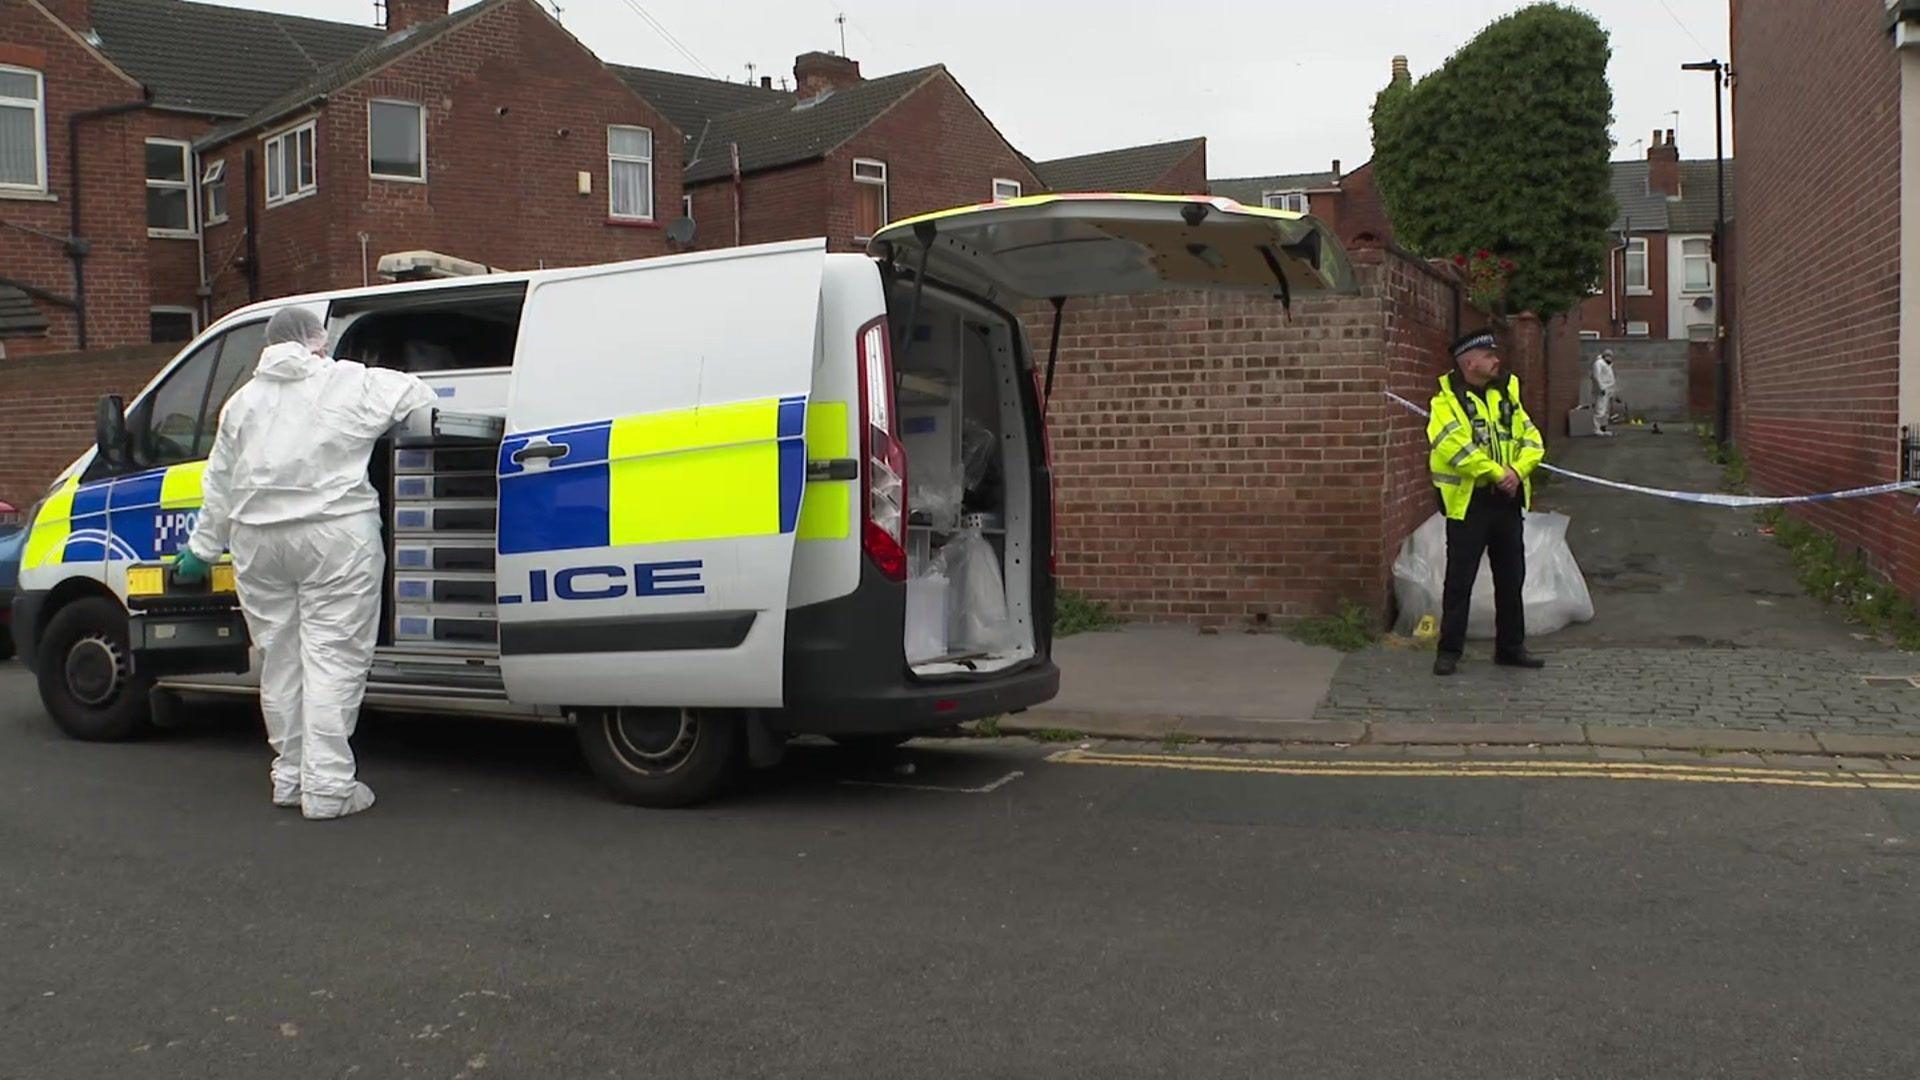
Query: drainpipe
{"points": [[363, 259], [253, 235], [734, 150], [205, 291], [77, 247]]}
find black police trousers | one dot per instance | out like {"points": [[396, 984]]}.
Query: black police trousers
{"points": [[1493, 526]]}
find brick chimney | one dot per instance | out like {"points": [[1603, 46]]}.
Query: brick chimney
{"points": [[402, 14], [817, 72], [1401, 72], [1663, 165], [77, 14]]}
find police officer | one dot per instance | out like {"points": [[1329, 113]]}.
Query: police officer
{"points": [[1484, 450]]}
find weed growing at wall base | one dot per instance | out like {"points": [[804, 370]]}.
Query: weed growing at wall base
{"points": [[1076, 613], [1843, 578], [1349, 631]]}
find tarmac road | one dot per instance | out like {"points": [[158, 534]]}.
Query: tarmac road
{"points": [[494, 916]]}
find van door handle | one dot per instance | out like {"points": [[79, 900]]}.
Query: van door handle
{"points": [[549, 451], [836, 469]]}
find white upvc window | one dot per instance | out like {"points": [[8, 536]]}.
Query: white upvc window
{"points": [[213, 191], [686, 207], [1636, 267], [1295, 201], [1005, 189], [290, 167], [1638, 328], [630, 173], [869, 197], [1696, 265], [169, 188], [396, 141], [168, 324], [23, 130]]}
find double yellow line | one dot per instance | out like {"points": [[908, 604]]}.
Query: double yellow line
{"points": [[1518, 769]]}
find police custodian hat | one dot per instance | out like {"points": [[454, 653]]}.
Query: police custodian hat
{"points": [[1479, 339]]}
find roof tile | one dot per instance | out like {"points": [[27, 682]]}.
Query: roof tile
{"points": [[1130, 168]]}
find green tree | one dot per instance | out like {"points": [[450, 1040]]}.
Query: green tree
{"points": [[1504, 149]]}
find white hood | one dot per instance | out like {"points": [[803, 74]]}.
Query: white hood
{"points": [[289, 361]]}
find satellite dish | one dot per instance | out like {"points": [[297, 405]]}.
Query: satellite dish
{"points": [[681, 231]]}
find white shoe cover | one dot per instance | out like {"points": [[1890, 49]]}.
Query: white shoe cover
{"points": [[326, 807]]}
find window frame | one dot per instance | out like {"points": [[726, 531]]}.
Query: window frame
{"points": [[872, 182], [184, 184], [192, 314], [212, 178], [420, 111], [142, 406], [283, 138], [39, 107], [653, 208], [1646, 328], [1645, 288], [1018, 189], [1283, 194], [1705, 256], [686, 205]]}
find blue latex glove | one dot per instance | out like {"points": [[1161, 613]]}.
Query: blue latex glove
{"points": [[190, 569]]}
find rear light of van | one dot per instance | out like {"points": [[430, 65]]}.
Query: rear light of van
{"points": [[883, 529]]}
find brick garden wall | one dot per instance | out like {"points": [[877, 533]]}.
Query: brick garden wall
{"points": [[1817, 367], [1218, 464], [42, 432]]}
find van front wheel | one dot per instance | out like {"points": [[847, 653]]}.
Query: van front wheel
{"points": [[86, 675], [661, 757]]}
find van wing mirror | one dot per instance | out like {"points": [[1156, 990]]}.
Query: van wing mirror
{"points": [[110, 430]]}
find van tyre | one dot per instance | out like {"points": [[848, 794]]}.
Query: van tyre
{"points": [[661, 757], [86, 675]]}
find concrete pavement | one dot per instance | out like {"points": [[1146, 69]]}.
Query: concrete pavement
{"points": [[1701, 640]]}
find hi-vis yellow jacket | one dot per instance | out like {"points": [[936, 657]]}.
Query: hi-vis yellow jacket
{"points": [[1477, 437]]}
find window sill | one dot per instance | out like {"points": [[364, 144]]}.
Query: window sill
{"points": [[635, 223], [1708, 291], [210, 222], [29, 196], [171, 234], [272, 203], [397, 179], [1639, 292]]}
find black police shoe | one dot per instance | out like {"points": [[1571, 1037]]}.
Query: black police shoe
{"points": [[1521, 659], [1445, 664]]}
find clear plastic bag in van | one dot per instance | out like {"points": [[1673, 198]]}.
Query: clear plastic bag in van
{"points": [[926, 616], [977, 617], [1555, 592]]}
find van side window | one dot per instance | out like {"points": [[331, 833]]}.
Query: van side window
{"points": [[438, 330], [178, 420]]}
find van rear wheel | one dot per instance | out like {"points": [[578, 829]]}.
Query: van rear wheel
{"points": [[661, 757], [86, 675]]}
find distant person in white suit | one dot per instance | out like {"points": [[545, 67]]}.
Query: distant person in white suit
{"points": [[1603, 393]]}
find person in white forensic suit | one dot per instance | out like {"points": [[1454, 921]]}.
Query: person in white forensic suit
{"points": [[286, 491], [1603, 380]]}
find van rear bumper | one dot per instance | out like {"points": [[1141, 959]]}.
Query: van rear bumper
{"points": [[918, 707]]}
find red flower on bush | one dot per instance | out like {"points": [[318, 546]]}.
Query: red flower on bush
{"points": [[1460, 261], [1483, 253]]}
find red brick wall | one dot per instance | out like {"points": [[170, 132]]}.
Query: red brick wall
{"points": [[1597, 313], [113, 201], [779, 204], [1818, 369], [1703, 358], [1217, 463], [41, 433], [501, 189], [1357, 214]]}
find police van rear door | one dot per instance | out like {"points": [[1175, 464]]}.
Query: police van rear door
{"points": [[651, 477]]}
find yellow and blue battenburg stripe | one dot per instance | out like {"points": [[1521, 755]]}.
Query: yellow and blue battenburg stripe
{"points": [[707, 473], [143, 516]]}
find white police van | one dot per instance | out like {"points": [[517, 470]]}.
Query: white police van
{"points": [[688, 530]]}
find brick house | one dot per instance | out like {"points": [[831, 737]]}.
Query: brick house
{"points": [[1659, 281], [1170, 168], [1826, 116], [291, 171], [837, 157], [1348, 202]]}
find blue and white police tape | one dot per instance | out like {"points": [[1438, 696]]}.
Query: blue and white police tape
{"points": [[1704, 498]]}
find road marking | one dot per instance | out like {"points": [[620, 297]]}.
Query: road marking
{"points": [[982, 790], [1530, 769]]}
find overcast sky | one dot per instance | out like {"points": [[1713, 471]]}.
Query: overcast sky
{"points": [[1280, 86]]}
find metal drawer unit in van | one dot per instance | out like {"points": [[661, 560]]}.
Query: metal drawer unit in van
{"points": [[444, 510]]}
